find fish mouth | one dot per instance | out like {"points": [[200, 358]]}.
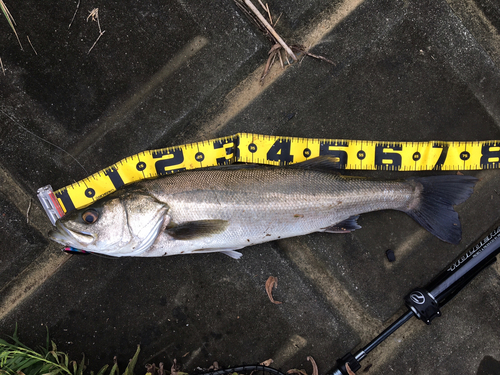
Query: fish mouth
{"points": [[68, 237]]}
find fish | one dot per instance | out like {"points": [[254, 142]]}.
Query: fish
{"points": [[228, 208]]}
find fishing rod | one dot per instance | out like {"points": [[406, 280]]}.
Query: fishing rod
{"points": [[423, 303]]}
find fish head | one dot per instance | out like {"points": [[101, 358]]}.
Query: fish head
{"points": [[123, 225]]}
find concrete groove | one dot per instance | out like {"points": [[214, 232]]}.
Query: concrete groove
{"points": [[331, 288], [111, 121], [250, 87], [480, 26], [469, 63], [16, 194], [48, 262]]}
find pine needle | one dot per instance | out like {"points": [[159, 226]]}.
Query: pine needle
{"points": [[11, 21]]}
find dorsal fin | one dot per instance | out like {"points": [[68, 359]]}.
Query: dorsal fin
{"points": [[324, 163]]}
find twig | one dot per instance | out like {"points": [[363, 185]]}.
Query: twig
{"points": [[29, 41], [28, 213], [281, 60], [270, 28], [266, 8], [270, 61], [1, 64], [279, 17], [74, 15], [93, 45], [94, 15], [319, 57], [305, 51]]}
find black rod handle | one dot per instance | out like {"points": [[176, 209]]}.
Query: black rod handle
{"points": [[470, 262], [440, 290]]}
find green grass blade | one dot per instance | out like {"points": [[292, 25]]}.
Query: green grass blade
{"points": [[115, 369], [81, 367], [130, 368], [10, 20], [103, 370]]}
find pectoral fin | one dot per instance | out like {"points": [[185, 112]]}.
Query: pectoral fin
{"points": [[345, 226], [196, 229]]}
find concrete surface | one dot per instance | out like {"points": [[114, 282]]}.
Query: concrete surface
{"points": [[171, 72]]}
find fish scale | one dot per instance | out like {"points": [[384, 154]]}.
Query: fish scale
{"points": [[264, 204], [226, 209]]}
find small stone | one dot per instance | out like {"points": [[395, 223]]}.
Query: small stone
{"points": [[390, 255]]}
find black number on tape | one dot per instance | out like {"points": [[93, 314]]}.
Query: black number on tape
{"points": [[162, 165], [442, 156], [280, 151], [66, 200], [229, 150], [115, 178], [388, 160], [341, 155], [487, 155]]}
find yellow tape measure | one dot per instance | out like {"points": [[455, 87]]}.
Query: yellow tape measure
{"points": [[275, 150]]}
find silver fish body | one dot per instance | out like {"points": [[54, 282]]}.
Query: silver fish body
{"points": [[228, 209]]}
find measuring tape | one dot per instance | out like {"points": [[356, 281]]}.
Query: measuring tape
{"points": [[271, 150]]}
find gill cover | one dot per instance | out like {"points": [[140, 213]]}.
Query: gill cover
{"points": [[124, 225]]}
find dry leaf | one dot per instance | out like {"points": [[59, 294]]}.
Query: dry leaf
{"points": [[153, 370], [349, 371], [315, 366], [214, 367], [272, 282], [267, 363], [175, 368]]}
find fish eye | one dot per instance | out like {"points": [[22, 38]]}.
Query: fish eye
{"points": [[90, 216]]}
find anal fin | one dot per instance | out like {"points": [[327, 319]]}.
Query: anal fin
{"points": [[232, 254], [345, 226]]}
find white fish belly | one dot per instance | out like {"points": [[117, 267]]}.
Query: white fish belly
{"points": [[256, 213]]}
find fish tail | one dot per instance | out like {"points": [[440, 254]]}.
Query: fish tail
{"points": [[434, 207]]}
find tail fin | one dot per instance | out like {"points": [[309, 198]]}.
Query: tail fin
{"points": [[435, 210]]}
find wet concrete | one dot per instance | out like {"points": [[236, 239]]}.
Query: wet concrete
{"points": [[167, 73]]}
